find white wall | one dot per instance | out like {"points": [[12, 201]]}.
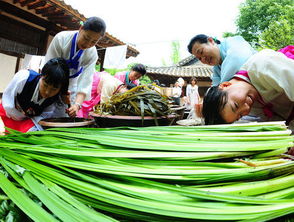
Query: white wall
{"points": [[7, 64]]}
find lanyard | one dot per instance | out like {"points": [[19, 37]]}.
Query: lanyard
{"points": [[73, 61]]}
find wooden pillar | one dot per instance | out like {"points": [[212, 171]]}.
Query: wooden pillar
{"points": [[17, 64], [101, 54]]}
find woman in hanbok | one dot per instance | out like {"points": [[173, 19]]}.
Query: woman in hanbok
{"points": [[263, 87], [225, 56], [192, 94], [104, 86], [131, 78], [78, 48], [31, 96]]}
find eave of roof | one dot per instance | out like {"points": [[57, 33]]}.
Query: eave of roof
{"points": [[63, 15]]}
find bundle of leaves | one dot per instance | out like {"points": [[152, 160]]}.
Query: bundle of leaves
{"points": [[9, 212], [139, 101]]}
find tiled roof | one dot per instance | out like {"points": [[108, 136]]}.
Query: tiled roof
{"points": [[188, 67], [187, 61], [201, 71]]}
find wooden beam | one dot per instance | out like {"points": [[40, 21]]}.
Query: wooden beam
{"points": [[47, 10], [57, 17], [18, 38], [55, 13], [17, 64], [64, 21], [13, 10], [16, 1], [24, 3], [44, 40], [37, 4], [12, 53], [67, 8]]}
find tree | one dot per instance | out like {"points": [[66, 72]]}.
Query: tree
{"points": [[229, 34], [278, 35], [257, 16], [175, 57]]}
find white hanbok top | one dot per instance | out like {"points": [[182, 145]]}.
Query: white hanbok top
{"points": [[61, 47], [272, 74], [107, 86], [192, 96], [9, 100]]}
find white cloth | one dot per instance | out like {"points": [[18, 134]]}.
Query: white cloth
{"points": [[176, 91], [272, 74], [9, 100], [60, 47], [33, 62], [115, 57], [107, 86], [192, 96]]}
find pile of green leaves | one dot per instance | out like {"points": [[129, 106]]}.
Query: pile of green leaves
{"points": [[139, 101], [206, 173]]}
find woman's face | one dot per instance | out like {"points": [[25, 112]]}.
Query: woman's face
{"points": [[208, 53], [88, 38], [134, 75], [241, 96], [46, 90]]}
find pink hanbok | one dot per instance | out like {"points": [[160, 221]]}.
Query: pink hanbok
{"points": [[103, 87], [88, 105]]}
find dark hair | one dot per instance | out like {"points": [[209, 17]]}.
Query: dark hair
{"points": [[213, 102], [56, 73], [193, 79], [139, 68], [201, 38], [95, 24]]}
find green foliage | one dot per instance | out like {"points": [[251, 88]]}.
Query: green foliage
{"points": [[229, 34], [97, 68], [278, 35], [257, 16], [175, 57], [145, 80], [113, 71]]}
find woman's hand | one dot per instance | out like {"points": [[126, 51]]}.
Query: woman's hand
{"points": [[73, 110]]}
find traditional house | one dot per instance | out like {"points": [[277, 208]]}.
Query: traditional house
{"points": [[28, 26], [186, 68]]}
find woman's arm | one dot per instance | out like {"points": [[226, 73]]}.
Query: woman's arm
{"points": [[238, 52], [9, 95]]}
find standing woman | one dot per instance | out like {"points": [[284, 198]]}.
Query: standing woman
{"points": [[192, 94], [78, 48], [131, 78], [227, 56]]}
